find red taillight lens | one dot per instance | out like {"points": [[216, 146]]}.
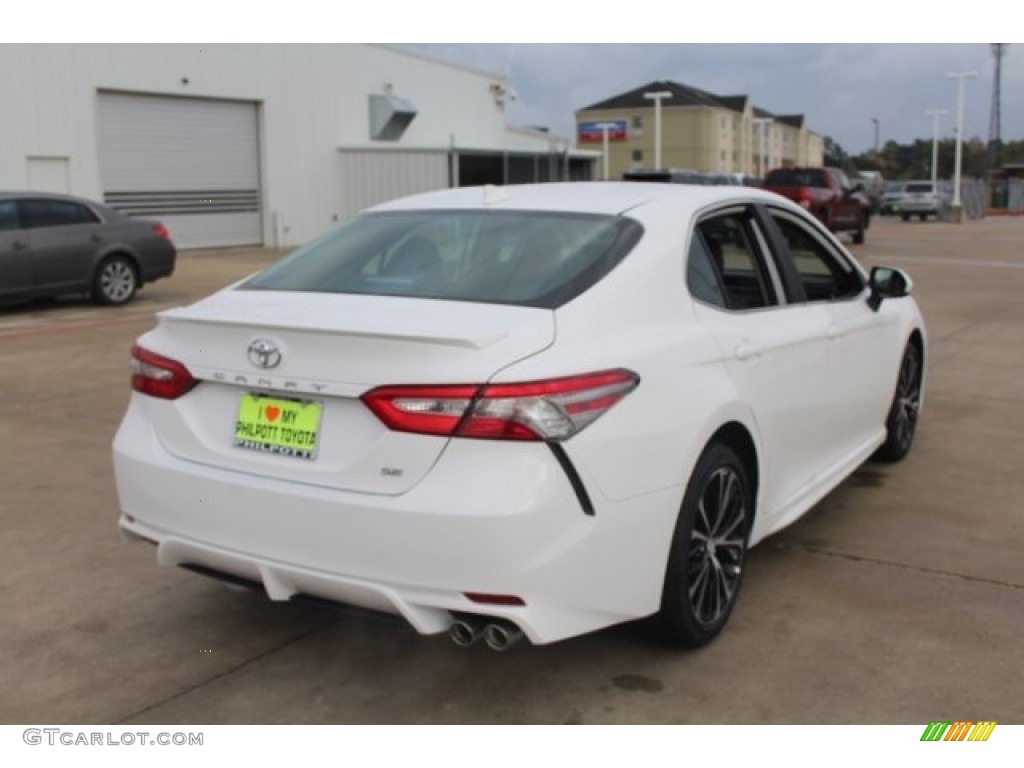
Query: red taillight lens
{"points": [[161, 231], [424, 410], [159, 376], [555, 409]]}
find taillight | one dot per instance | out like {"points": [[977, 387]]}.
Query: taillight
{"points": [[555, 409], [161, 231], [159, 376]]}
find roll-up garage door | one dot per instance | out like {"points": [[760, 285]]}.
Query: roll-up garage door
{"points": [[192, 164]]}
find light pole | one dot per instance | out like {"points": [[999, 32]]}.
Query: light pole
{"points": [[960, 77], [875, 121], [657, 96], [762, 125], [605, 127], [936, 114]]}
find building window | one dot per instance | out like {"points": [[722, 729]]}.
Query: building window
{"points": [[638, 123], [638, 155]]}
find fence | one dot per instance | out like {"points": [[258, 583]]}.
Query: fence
{"points": [[978, 197]]}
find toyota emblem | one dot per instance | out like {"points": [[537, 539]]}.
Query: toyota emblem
{"points": [[264, 353]]}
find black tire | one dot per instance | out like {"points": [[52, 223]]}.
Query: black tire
{"points": [[905, 216], [901, 423], [709, 547], [862, 225], [116, 281], [923, 216]]}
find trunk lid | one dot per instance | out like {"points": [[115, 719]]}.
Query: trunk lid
{"points": [[327, 349]]}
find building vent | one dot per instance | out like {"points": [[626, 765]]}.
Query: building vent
{"points": [[389, 117]]}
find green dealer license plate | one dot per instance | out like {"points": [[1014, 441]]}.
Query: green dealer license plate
{"points": [[277, 425]]}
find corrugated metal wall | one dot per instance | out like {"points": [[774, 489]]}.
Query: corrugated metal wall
{"points": [[369, 177]]}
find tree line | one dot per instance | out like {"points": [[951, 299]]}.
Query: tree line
{"points": [[914, 161]]}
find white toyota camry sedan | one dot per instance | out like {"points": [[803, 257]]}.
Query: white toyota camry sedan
{"points": [[529, 410]]}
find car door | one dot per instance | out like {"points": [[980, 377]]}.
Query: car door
{"points": [[15, 257], [64, 237], [863, 344], [774, 350]]}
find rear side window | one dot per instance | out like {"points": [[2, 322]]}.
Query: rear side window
{"points": [[54, 213], [702, 277], [728, 242], [524, 258], [918, 188], [9, 215]]}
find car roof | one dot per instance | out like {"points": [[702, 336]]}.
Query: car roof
{"points": [[6, 194], [600, 197]]}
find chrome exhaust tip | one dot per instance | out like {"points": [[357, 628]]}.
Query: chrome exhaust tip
{"points": [[500, 636], [466, 631]]}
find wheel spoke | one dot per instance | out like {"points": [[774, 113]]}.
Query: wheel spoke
{"points": [[703, 518], [737, 520], [726, 492], [699, 589]]}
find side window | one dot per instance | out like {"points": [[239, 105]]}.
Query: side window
{"points": [[825, 276], [731, 245], [54, 213], [701, 275], [8, 216]]}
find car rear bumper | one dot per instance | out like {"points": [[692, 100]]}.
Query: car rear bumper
{"points": [[158, 261], [920, 206], [493, 518]]}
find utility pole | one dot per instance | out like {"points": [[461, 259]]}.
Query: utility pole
{"points": [[995, 139], [605, 127], [657, 96], [875, 121], [960, 77]]}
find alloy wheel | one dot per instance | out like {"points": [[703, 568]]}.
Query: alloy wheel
{"points": [[717, 546]]}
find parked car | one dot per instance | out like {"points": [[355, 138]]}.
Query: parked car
{"points": [[828, 194], [889, 202], [672, 175], [687, 176], [921, 199], [52, 245], [534, 410]]}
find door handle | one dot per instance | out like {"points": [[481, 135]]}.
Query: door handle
{"points": [[747, 349], [19, 245], [96, 237]]}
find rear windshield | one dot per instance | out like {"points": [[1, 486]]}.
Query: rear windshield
{"points": [[796, 177], [924, 187], [525, 258]]}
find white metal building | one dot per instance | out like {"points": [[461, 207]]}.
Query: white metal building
{"points": [[258, 144]]}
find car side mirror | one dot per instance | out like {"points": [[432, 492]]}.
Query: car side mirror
{"points": [[888, 283]]}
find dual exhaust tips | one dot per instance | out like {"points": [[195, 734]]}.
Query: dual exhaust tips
{"points": [[500, 635]]}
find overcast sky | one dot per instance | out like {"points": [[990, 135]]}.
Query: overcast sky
{"points": [[837, 87]]}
